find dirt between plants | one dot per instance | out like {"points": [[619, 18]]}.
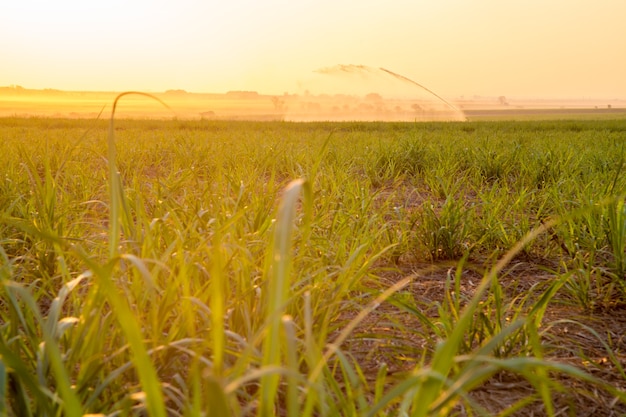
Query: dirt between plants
{"points": [[392, 338]]}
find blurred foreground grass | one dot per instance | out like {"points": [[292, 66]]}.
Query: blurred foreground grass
{"points": [[233, 268]]}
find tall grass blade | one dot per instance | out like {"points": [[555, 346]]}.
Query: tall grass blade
{"points": [[115, 181], [146, 372], [291, 346], [278, 286], [216, 399], [145, 369]]}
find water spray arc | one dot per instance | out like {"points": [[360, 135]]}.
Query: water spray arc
{"points": [[362, 93], [403, 78]]}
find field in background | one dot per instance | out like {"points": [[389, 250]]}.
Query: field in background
{"points": [[411, 269], [250, 105]]}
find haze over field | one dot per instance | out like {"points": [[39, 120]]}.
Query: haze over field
{"points": [[564, 49], [199, 248]]}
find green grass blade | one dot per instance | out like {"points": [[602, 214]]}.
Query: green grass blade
{"points": [[144, 367], [278, 287], [115, 181], [71, 405], [216, 398], [3, 388], [291, 347], [443, 359]]}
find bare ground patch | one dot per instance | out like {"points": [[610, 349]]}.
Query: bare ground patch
{"points": [[594, 342]]}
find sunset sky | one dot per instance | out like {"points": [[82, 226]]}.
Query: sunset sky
{"points": [[547, 48]]}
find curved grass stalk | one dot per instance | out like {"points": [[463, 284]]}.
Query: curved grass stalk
{"points": [[145, 368], [118, 201]]}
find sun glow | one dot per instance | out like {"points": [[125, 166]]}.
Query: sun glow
{"points": [[458, 48]]}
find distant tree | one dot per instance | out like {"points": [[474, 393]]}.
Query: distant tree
{"points": [[279, 104], [373, 97], [502, 100]]}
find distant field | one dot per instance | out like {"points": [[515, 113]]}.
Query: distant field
{"points": [[210, 267], [250, 105], [590, 113]]}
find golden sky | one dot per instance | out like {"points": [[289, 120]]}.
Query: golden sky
{"points": [[532, 48]]}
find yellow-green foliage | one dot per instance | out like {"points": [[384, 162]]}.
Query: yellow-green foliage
{"points": [[214, 268]]}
